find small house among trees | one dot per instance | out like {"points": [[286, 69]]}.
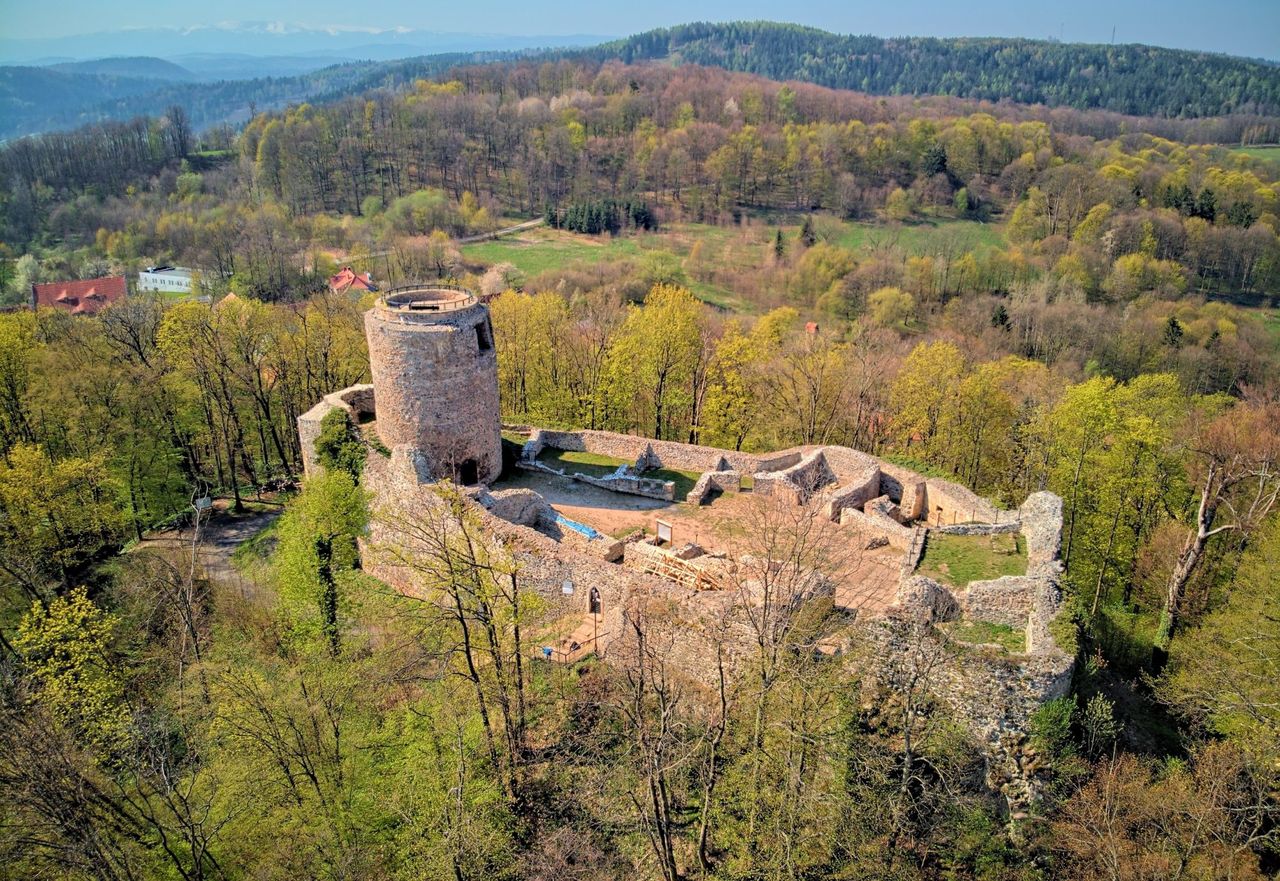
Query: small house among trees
{"points": [[348, 279], [87, 296]]}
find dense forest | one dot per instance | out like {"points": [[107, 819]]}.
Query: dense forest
{"points": [[1126, 79], [1013, 297]]}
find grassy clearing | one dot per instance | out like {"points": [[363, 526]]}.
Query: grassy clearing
{"points": [[1269, 152], [957, 236], [541, 250], [1271, 323], [595, 465], [537, 250], [714, 257], [960, 559], [985, 633]]}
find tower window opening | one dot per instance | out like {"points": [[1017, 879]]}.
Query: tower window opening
{"points": [[483, 340]]}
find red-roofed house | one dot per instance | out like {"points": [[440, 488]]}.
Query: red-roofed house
{"points": [[350, 280], [87, 296]]}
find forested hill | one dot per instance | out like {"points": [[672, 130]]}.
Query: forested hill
{"points": [[1132, 79], [41, 99]]}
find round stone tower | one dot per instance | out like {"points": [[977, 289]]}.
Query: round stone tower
{"points": [[435, 379]]}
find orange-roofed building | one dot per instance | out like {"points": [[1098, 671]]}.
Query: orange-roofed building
{"points": [[350, 280], [87, 296]]}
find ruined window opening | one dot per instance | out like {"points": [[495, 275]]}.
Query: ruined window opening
{"points": [[483, 340], [468, 473], [595, 601]]}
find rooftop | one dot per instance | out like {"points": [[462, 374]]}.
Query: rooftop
{"points": [[80, 297]]}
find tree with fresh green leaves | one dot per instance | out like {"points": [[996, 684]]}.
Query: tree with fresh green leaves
{"points": [[66, 648], [318, 556], [55, 517], [339, 445]]}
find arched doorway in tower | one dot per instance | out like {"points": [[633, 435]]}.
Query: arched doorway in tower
{"points": [[594, 606]]}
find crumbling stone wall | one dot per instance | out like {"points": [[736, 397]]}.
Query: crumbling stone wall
{"points": [[356, 400], [996, 696], [950, 503], [905, 487], [942, 502], [544, 564], [877, 525], [1008, 600], [658, 454], [854, 490], [798, 482], [620, 483], [724, 481]]}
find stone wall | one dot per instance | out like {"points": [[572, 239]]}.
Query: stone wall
{"points": [[523, 507], [799, 482], [401, 504], [724, 481], [995, 696], [854, 489], [943, 502], [877, 526], [1041, 518], [928, 599], [905, 487], [356, 400], [658, 454], [1007, 600], [1009, 526], [950, 503]]}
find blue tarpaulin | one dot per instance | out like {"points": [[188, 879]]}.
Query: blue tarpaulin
{"points": [[577, 527]]}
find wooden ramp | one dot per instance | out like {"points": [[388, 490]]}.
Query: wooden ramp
{"points": [[582, 641]]}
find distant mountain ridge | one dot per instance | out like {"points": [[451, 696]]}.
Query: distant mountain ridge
{"points": [[1130, 79], [140, 67]]}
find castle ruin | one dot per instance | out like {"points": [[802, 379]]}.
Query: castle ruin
{"points": [[433, 406]]}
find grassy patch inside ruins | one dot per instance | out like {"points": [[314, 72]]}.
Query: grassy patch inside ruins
{"points": [[596, 465], [1008, 638], [959, 559]]}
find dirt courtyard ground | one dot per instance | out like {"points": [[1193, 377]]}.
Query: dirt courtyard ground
{"points": [[867, 581]]}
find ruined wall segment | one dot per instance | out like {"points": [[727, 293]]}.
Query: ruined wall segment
{"points": [[435, 369], [356, 400]]}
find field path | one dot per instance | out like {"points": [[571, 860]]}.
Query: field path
{"points": [[499, 233]]}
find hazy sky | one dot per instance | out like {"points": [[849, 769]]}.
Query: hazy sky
{"points": [[1242, 27]]}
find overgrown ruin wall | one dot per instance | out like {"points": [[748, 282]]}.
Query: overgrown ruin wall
{"points": [[356, 400]]}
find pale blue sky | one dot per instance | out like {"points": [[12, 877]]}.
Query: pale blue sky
{"points": [[1242, 27]]}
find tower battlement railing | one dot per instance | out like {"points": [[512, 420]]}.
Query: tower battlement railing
{"points": [[432, 297]]}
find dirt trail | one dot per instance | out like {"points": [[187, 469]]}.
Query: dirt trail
{"points": [[220, 535]]}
